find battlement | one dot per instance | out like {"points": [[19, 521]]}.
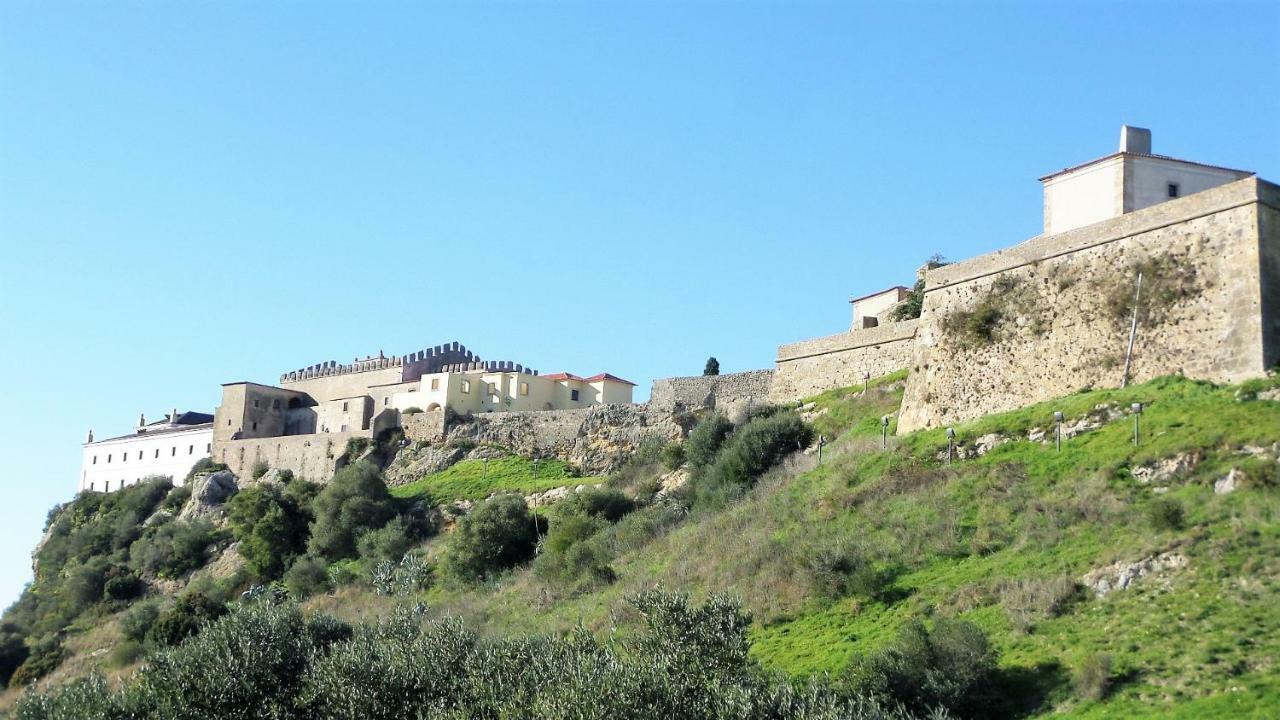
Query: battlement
{"points": [[449, 357]]}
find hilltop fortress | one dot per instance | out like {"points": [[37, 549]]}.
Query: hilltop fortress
{"points": [[1147, 266]]}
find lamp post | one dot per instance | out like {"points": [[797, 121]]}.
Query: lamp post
{"points": [[1136, 408], [951, 440], [884, 432], [866, 381], [1057, 419], [822, 440]]}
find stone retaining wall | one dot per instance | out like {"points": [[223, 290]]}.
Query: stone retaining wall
{"points": [[810, 367], [313, 457], [730, 393], [1050, 316]]}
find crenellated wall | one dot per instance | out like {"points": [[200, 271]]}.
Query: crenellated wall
{"points": [[1051, 316], [810, 367]]}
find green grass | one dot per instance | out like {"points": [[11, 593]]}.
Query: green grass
{"points": [[478, 479]]}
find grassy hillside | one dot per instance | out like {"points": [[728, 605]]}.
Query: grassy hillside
{"points": [[835, 560], [478, 479]]}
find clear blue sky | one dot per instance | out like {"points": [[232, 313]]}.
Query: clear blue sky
{"points": [[195, 193]]}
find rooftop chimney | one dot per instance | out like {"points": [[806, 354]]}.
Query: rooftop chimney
{"points": [[173, 416], [1135, 140], [90, 437]]}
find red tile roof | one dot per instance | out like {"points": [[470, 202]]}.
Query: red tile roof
{"points": [[611, 378], [563, 376]]}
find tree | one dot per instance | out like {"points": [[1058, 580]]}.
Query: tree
{"points": [[498, 534], [712, 367], [270, 527], [353, 503]]}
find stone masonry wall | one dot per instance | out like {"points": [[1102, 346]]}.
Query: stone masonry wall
{"points": [[596, 440], [313, 457], [1051, 316], [428, 425], [730, 393], [813, 366]]}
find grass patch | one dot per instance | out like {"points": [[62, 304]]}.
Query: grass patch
{"points": [[478, 479]]}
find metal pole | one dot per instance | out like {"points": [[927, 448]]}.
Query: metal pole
{"points": [[1135, 428], [822, 440], [1133, 333], [884, 436], [866, 382]]}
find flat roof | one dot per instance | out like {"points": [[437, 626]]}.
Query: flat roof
{"points": [[881, 292]]}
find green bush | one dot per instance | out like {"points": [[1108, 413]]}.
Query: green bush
{"points": [[496, 535], [139, 619], [672, 455], [259, 469], [176, 498], [356, 447], [308, 575], [705, 440], [411, 410], [951, 665], [126, 653], [574, 550], [121, 584], [270, 527], [174, 549], [204, 465], [602, 502], [1092, 678], [354, 502], [1165, 514], [752, 450], [45, 657], [388, 543], [712, 367], [183, 619], [846, 569], [13, 652]]}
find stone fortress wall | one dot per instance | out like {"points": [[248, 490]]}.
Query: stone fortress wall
{"points": [[313, 457], [732, 393], [1051, 316], [810, 367]]}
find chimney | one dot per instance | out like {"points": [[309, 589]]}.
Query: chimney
{"points": [[142, 420], [86, 442], [173, 416], [1135, 140]]}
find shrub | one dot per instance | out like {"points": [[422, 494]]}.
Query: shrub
{"points": [[1032, 599], [498, 534], [573, 550], [910, 306], [1092, 679], [308, 575], [712, 367], [270, 528], [139, 619], [388, 543], [13, 652], [259, 469], [1165, 514], [705, 439], [602, 502], [174, 549], [672, 455], [752, 450], [951, 666], [183, 619], [204, 465], [355, 501], [356, 447], [126, 653], [176, 498], [45, 657], [122, 584], [411, 410], [846, 569]]}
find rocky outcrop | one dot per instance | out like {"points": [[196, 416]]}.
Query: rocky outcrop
{"points": [[1159, 472], [208, 495], [1120, 575]]}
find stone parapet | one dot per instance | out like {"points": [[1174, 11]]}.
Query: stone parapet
{"points": [[728, 393], [814, 366]]}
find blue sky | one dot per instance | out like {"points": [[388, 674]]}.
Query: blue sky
{"points": [[196, 193]]}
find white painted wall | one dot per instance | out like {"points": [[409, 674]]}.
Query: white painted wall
{"points": [[110, 465], [875, 305], [1084, 196], [1147, 180]]}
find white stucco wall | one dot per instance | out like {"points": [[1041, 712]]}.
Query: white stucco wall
{"points": [[1147, 180], [1084, 196], [875, 305], [109, 465]]}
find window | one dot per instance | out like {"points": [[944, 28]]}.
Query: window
{"points": [[344, 407], [157, 452], [342, 429], [228, 422], [108, 458], [124, 457], [173, 451], [466, 386], [91, 488], [524, 388], [95, 459], [386, 401], [139, 454], [275, 404], [255, 424], [255, 402], [1173, 190], [191, 449], [435, 383], [493, 388], [573, 395], [208, 447]]}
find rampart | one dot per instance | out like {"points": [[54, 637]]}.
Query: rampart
{"points": [[730, 393], [596, 439], [428, 425], [809, 367], [1051, 316], [313, 457]]}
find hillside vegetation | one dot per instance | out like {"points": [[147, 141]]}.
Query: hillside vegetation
{"points": [[1106, 580]]}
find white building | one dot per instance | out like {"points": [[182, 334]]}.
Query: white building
{"points": [[169, 447], [870, 310], [476, 391], [1127, 180]]}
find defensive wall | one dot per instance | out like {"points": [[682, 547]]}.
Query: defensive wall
{"points": [[1051, 316], [730, 393], [809, 367], [313, 457], [426, 426]]}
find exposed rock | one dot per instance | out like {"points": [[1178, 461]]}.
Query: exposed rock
{"points": [[157, 517], [1120, 575], [1272, 394], [1037, 434], [673, 480], [208, 493], [546, 497], [979, 447], [989, 442], [1228, 483], [412, 463], [809, 412], [1260, 451], [1162, 470]]}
